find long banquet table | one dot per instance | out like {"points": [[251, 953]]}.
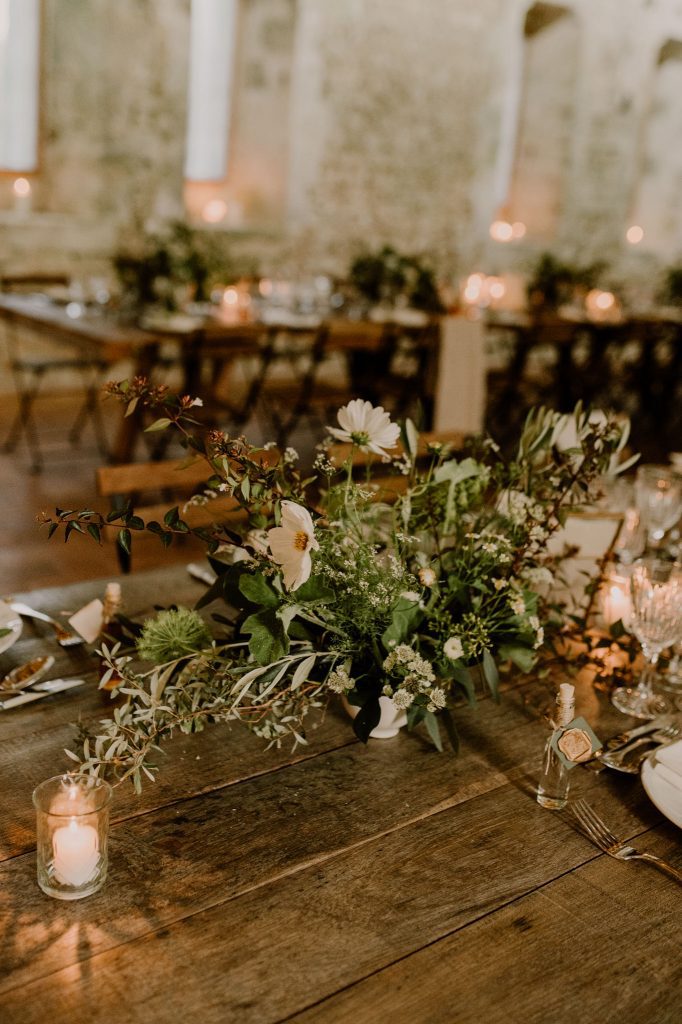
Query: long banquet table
{"points": [[341, 883], [456, 378]]}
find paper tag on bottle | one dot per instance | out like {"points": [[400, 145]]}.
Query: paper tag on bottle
{"points": [[575, 743], [88, 620]]}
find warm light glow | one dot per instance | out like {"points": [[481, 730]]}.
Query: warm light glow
{"points": [[73, 310], [604, 300], [214, 211], [230, 297], [518, 229], [496, 288], [21, 187], [473, 289], [501, 231], [265, 287], [634, 234]]}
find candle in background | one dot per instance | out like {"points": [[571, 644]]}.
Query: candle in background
{"points": [[22, 195]]}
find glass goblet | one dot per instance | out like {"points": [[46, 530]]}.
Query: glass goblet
{"points": [[656, 621], [658, 492]]}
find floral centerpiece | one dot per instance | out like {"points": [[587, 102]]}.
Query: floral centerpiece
{"points": [[326, 587]]}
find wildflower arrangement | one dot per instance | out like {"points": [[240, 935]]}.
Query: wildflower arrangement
{"points": [[325, 587]]}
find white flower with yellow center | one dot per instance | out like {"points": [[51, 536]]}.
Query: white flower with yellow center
{"points": [[367, 426], [291, 544]]}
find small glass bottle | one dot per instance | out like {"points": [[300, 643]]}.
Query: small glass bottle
{"points": [[555, 778], [111, 632]]}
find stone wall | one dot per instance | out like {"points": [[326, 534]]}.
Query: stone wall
{"points": [[357, 122]]}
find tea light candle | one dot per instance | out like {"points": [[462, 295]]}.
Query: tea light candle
{"points": [[615, 602], [76, 853], [22, 195]]}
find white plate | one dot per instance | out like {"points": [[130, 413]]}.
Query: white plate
{"points": [[9, 620], [666, 797]]}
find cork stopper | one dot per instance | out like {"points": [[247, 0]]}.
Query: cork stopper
{"points": [[112, 601], [566, 703]]}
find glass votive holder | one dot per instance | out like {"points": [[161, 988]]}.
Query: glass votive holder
{"points": [[614, 597], [72, 830]]}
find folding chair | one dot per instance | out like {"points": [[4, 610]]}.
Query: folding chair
{"points": [[29, 373]]}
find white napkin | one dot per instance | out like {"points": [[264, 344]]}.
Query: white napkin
{"points": [[668, 764], [88, 620]]}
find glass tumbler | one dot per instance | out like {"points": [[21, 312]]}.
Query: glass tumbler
{"points": [[658, 492], [72, 830]]}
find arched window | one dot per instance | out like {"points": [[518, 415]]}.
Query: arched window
{"points": [[545, 119], [241, 54], [655, 207], [19, 84]]}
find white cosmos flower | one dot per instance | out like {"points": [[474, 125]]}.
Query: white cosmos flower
{"points": [[366, 426], [292, 542]]}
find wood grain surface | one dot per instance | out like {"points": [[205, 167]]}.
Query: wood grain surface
{"points": [[340, 883]]}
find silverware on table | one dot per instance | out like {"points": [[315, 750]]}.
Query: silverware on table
{"points": [[65, 638], [23, 676], [594, 828], [45, 689], [623, 739], [622, 760]]}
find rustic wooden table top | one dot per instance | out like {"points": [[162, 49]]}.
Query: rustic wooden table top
{"points": [[341, 884]]}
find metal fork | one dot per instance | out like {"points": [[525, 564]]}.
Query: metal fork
{"points": [[595, 829], [65, 638]]}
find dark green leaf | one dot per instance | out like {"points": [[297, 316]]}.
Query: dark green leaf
{"points": [[367, 719], [123, 539], [256, 589], [492, 676], [314, 591], [433, 730], [95, 532], [268, 639]]}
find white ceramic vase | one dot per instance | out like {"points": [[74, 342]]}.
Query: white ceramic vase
{"points": [[391, 722]]}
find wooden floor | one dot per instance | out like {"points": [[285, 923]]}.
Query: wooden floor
{"points": [[28, 559]]}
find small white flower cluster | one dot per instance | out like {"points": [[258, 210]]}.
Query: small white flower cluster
{"points": [[339, 681], [290, 456], [418, 679], [323, 464], [517, 603]]}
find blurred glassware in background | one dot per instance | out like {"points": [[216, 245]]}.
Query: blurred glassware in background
{"points": [[658, 491], [656, 621]]}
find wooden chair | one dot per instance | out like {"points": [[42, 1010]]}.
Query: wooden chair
{"points": [[315, 384], [172, 480], [30, 371]]}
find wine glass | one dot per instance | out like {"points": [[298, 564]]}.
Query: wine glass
{"points": [[656, 621], [659, 499]]}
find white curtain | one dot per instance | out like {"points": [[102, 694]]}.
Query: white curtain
{"points": [[19, 84], [213, 29]]}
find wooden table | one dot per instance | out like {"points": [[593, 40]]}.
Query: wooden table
{"points": [[345, 883]]}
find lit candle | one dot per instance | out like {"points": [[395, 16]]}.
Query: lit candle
{"points": [[76, 853], [615, 601], [22, 195]]}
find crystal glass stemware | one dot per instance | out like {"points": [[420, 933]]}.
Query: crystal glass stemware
{"points": [[659, 499], [656, 621]]}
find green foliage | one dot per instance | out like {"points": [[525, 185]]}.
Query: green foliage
{"points": [[386, 275], [553, 282], [412, 601]]}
